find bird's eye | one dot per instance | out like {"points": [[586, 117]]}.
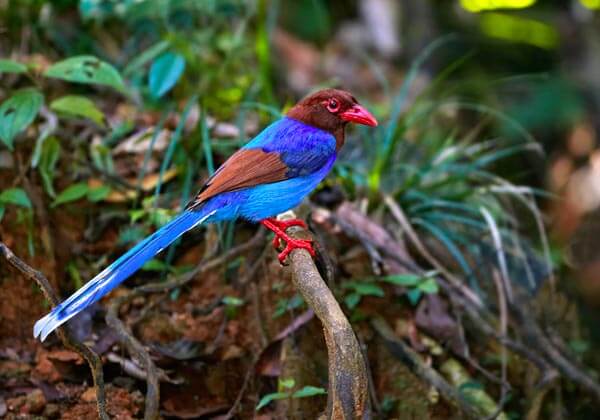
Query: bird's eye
{"points": [[333, 105]]}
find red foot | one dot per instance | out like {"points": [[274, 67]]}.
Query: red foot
{"points": [[279, 227]]}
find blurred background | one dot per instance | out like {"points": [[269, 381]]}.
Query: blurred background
{"points": [[112, 113]]}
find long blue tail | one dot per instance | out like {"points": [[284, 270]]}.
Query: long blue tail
{"points": [[118, 271]]}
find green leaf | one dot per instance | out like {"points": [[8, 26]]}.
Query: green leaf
{"points": [[469, 385], [10, 66], [365, 289], [429, 286], [352, 300], [98, 193], [71, 193], [148, 55], [232, 301], [47, 166], [17, 112], [136, 215], [403, 279], [16, 196], [2, 210], [271, 397], [287, 383], [86, 69], [414, 295], [164, 73], [309, 391], [155, 265], [78, 106]]}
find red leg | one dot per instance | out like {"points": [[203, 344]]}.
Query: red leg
{"points": [[279, 227]]}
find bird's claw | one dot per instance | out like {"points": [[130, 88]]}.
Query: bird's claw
{"points": [[292, 244], [279, 228]]}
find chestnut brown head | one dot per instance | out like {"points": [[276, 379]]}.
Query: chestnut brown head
{"points": [[331, 110]]}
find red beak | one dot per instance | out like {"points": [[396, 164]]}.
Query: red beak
{"points": [[359, 115]]}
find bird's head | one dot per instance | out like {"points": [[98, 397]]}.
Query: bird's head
{"points": [[331, 110]]}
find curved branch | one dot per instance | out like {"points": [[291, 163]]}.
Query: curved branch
{"points": [[64, 334], [348, 383]]}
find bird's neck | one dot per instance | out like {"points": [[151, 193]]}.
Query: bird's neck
{"points": [[335, 128], [340, 137]]}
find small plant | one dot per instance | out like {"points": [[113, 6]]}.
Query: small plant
{"points": [[417, 285], [284, 390], [359, 289]]}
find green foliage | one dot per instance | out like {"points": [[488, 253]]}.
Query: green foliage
{"points": [[232, 304], [16, 196], [360, 289], [285, 305], [78, 106], [285, 386], [17, 112], [86, 69], [10, 66], [71, 193], [164, 73], [417, 284]]}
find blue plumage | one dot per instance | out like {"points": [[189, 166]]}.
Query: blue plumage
{"points": [[269, 175], [118, 271], [309, 154]]}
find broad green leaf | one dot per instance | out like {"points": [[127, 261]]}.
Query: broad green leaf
{"points": [[17, 112], [365, 289], [78, 106], [47, 166], [71, 193], [16, 196], [271, 397], [403, 279], [98, 193], [309, 391], [10, 66], [2, 210], [352, 300], [429, 286], [164, 73], [86, 69]]}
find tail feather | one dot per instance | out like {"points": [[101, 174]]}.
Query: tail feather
{"points": [[118, 272]]}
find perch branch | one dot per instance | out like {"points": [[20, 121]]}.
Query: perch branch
{"points": [[348, 383], [63, 333]]}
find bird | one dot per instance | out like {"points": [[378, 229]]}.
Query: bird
{"points": [[270, 174]]}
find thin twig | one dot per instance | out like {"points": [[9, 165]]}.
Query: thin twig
{"points": [[63, 333], [137, 350]]}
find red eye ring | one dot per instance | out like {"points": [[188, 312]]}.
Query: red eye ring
{"points": [[333, 105]]}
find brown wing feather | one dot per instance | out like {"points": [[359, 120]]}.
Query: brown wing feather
{"points": [[245, 168]]}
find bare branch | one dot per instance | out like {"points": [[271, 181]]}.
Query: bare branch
{"points": [[63, 333]]}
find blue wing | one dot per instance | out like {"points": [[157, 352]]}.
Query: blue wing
{"points": [[303, 148]]}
